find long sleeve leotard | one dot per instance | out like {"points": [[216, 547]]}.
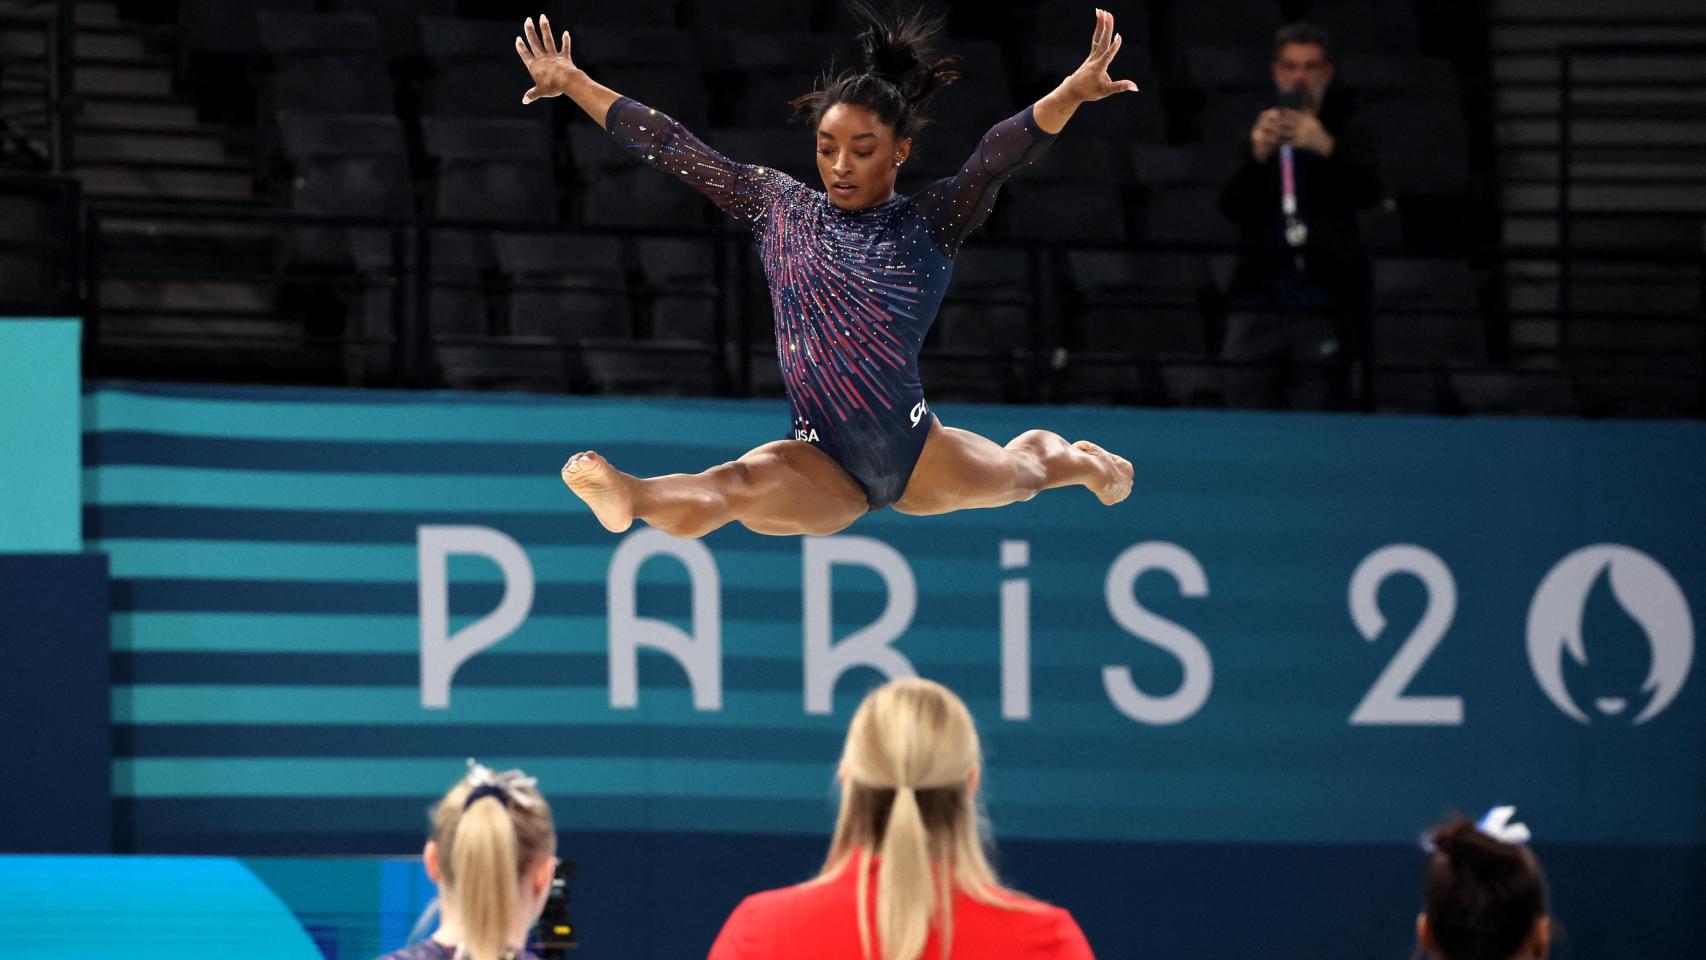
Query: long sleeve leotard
{"points": [[854, 292]]}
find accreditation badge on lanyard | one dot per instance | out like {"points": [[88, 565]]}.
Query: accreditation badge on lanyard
{"points": [[1296, 231]]}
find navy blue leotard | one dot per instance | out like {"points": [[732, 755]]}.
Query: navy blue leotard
{"points": [[854, 292]]}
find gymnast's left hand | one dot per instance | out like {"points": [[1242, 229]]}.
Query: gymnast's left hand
{"points": [[550, 65], [1091, 81]]}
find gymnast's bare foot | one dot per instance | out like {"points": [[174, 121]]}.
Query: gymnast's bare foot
{"points": [[607, 490], [1116, 481]]}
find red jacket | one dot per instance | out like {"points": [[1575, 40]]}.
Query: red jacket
{"points": [[819, 921]]}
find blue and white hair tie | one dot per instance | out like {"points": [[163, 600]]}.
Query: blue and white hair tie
{"points": [[1497, 824], [503, 784]]}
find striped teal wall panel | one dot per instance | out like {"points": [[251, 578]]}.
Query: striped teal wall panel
{"points": [[267, 648]]}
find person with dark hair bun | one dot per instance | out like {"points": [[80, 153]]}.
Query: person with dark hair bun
{"points": [[1486, 898], [856, 274]]}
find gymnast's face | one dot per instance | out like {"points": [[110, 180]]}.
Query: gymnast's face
{"points": [[858, 156]]}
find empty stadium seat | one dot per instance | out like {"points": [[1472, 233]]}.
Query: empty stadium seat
{"points": [[660, 67], [1381, 226], [1160, 165], [629, 13], [232, 29], [1051, 62], [454, 311], [594, 153], [491, 169], [1224, 23], [1064, 211], [613, 188], [1065, 22], [843, 21], [1189, 214], [343, 165], [566, 288], [979, 61], [456, 304], [1381, 75], [682, 287], [473, 71], [964, 112], [1426, 319], [398, 21], [1218, 70], [1130, 118], [984, 332], [330, 63], [1227, 116], [642, 197], [1514, 392], [750, 14], [677, 90], [1139, 302], [1423, 144], [574, 290], [792, 150], [774, 68], [622, 45], [1081, 160], [936, 155], [1388, 26], [990, 302], [508, 364]]}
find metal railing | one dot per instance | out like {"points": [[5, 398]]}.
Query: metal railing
{"points": [[41, 255], [409, 347], [1571, 83], [37, 123]]}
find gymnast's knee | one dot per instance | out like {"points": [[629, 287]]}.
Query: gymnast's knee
{"points": [[1035, 469], [736, 483]]}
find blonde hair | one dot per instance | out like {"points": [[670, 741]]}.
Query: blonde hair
{"points": [[906, 795], [484, 847]]}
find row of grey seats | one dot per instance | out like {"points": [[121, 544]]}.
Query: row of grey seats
{"points": [[589, 287]]}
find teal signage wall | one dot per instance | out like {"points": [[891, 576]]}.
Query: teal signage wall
{"points": [[53, 604], [1299, 634], [39, 384]]}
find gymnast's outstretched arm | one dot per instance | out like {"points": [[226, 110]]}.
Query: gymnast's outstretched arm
{"points": [[1089, 82], [743, 190], [955, 206]]}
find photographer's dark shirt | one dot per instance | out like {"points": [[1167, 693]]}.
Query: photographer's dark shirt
{"points": [[1330, 191]]}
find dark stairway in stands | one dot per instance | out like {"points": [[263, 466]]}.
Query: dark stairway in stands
{"points": [[177, 297], [1602, 146]]}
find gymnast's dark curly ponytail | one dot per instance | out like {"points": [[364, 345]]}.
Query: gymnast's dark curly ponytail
{"points": [[1483, 895], [900, 75]]}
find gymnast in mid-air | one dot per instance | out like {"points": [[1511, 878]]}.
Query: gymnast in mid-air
{"points": [[856, 275]]}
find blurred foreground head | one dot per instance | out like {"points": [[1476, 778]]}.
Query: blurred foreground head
{"points": [[1486, 899], [492, 854], [909, 774]]}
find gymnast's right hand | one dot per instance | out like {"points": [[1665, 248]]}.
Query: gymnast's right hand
{"points": [[550, 66]]}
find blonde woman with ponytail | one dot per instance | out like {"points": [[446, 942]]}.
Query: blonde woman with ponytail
{"points": [[907, 877], [492, 854]]}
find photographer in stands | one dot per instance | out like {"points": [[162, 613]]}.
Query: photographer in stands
{"points": [[1302, 274]]}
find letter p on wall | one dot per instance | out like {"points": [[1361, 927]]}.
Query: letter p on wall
{"points": [[442, 653]]}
